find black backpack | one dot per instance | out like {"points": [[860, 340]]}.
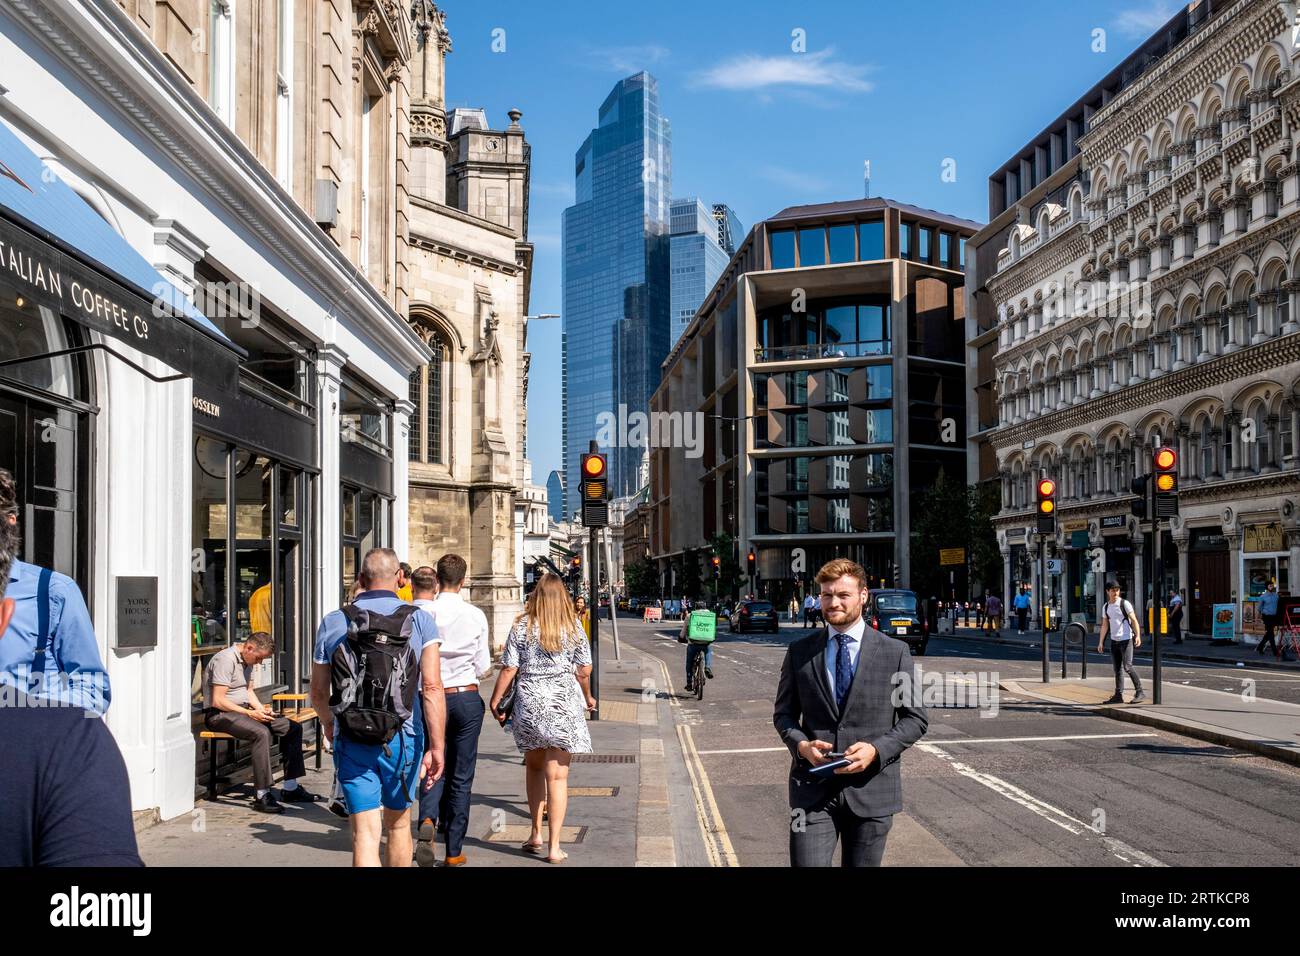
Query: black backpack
{"points": [[373, 674]]}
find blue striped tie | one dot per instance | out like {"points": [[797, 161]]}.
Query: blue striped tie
{"points": [[843, 671]]}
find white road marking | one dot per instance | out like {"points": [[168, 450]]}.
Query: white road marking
{"points": [[1055, 815], [1012, 740]]}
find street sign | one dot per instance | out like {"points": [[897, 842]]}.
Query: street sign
{"points": [[1055, 565], [952, 556]]}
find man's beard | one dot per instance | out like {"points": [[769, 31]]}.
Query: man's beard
{"points": [[843, 618]]}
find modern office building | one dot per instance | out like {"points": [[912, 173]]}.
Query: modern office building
{"points": [[810, 393], [730, 231], [555, 495], [1137, 283], [616, 274], [696, 257]]}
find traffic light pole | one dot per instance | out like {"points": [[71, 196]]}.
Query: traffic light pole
{"points": [[1158, 568], [593, 572], [1042, 605]]}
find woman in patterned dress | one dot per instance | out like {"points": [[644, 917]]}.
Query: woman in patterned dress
{"points": [[551, 656]]}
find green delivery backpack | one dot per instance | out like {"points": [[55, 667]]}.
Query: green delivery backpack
{"points": [[702, 626]]}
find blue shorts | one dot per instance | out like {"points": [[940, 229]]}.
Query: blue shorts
{"points": [[369, 778]]}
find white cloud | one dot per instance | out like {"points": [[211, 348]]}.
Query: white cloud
{"points": [[1144, 21], [750, 71], [628, 59]]}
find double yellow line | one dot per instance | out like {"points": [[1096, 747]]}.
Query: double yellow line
{"points": [[717, 843]]}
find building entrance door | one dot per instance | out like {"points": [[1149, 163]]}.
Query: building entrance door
{"points": [[1210, 585]]}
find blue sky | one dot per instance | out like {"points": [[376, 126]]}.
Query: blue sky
{"points": [[759, 126]]}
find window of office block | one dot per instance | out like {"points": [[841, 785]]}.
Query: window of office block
{"points": [[812, 247], [871, 240], [924, 252], [782, 248], [945, 249], [905, 240], [839, 240]]}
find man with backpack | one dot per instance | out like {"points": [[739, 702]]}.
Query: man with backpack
{"points": [[1119, 620], [376, 669]]}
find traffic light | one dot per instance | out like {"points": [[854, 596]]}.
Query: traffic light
{"points": [[595, 484], [751, 563], [575, 569], [1139, 487], [898, 574], [1046, 506], [717, 566], [1166, 478]]}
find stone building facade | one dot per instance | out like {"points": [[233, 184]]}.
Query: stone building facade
{"points": [[470, 268], [1146, 295]]}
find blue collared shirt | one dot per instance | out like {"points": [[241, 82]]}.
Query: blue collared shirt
{"points": [[855, 633], [1268, 602], [74, 671]]}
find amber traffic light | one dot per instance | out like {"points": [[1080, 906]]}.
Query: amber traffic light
{"points": [[595, 484], [1046, 506], [1166, 475]]}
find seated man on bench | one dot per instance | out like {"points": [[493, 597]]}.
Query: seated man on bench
{"points": [[230, 706]]}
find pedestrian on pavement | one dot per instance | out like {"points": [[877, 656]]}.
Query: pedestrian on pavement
{"points": [[1021, 604], [50, 652], [1121, 623], [794, 610], [404, 582], [809, 603], [993, 619], [464, 659], [549, 659], [966, 613], [1268, 611], [836, 700], [378, 736], [1176, 616], [63, 782], [230, 706], [583, 614]]}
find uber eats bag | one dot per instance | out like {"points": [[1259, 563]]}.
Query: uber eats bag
{"points": [[702, 626], [373, 674]]}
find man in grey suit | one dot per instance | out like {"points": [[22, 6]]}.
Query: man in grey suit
{"points": [[846, 689]]}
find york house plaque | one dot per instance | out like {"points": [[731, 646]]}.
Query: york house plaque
{"points": [[137, 612]]}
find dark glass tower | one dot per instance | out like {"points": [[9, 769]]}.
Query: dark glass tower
{"points": [[616, 275]]}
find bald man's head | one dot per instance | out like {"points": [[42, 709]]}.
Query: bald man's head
{"points": [[379, 570]]}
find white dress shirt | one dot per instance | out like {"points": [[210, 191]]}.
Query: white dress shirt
{"points": [[855, 632], [464, 630]]}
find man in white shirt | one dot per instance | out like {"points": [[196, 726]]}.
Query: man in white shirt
{"points": [[464, 658], [1119, 620]]}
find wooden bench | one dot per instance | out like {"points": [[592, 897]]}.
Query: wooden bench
{"points": [[299, 715]]}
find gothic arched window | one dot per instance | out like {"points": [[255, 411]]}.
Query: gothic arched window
{"points": [[428, 434]]}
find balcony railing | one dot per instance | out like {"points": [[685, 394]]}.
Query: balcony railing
{"points": [[790, 353]]}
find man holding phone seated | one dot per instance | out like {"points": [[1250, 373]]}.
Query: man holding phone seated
{"points": [[845, 708], [230, 705]]}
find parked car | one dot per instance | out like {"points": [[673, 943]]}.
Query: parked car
{"points": [[754, 616], [899, 614]]}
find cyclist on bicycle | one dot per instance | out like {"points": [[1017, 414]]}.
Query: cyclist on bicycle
{"points": [[698, 631]]}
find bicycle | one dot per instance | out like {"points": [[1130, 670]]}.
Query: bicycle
{"points": [[698, 676]]}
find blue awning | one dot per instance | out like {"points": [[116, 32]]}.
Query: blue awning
{"points": [[34, 194]]}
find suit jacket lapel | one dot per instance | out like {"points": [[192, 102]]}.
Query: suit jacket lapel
{"points": [[871, 642], [823, 679]]}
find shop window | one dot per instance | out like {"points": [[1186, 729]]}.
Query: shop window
{"points": [[363, 416]]}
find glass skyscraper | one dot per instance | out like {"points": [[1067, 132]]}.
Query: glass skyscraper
{"points": [[698, 255], [616, 275]]}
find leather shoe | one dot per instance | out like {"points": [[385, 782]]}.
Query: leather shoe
{"points": [[267, 804], [298, 795]]}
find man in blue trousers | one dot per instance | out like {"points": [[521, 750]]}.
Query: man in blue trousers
{"points": [[464, 659]]}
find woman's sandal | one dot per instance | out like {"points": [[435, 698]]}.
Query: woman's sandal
{"points": [[532, 847], [556, 859]]}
